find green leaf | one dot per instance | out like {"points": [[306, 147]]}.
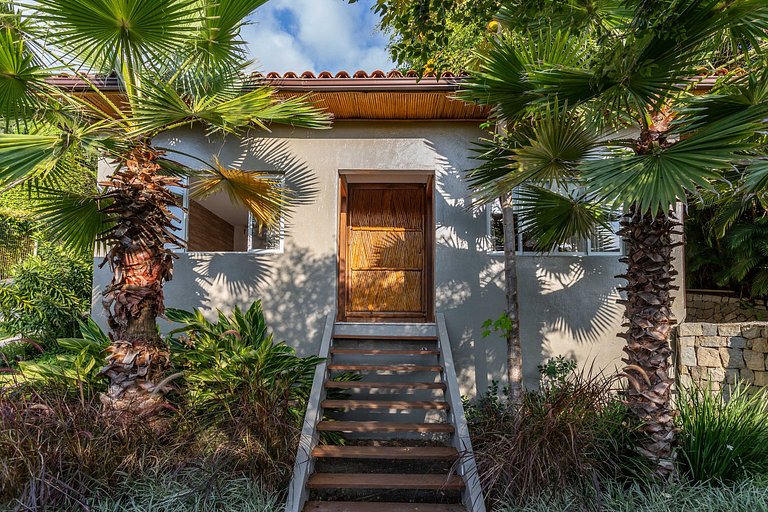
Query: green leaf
{"points": [[664, 175], [22, 154], [161, 107], [551, 218], [110, 34], [75, 218]]}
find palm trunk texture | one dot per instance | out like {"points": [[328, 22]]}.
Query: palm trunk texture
{"points": [[514, 347], [141, 262], [648, 312]]}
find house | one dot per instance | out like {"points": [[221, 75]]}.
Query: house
{"points": [[382, 229]]}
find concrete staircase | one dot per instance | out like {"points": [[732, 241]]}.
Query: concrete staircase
{"points": [[405, 443]]}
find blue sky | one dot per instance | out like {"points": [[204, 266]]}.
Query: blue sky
{"points": [[316, 35]]}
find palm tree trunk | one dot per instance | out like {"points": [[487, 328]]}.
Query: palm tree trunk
{"points": [[649, 276], [139, 257], [514, 347]]}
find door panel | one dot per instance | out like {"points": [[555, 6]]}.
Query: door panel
{"points": [[386, 249], [386, 254], [386, 291]]}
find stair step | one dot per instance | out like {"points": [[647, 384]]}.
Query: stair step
{"points": [[399, 405], [385, 452], [383, 385], [384, 352], [381, 426], [357, 506], [382, 337], [383, 368], [384, 481]]}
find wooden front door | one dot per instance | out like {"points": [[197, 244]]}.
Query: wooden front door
{"points": [[387, 253]]}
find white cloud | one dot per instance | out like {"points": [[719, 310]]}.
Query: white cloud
{"points": [[316, 35]]}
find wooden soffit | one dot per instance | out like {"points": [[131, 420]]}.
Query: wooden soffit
{"points": [[375, 97]]}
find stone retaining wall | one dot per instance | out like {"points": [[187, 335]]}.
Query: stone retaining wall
{"points": [[721, 354], [723, 308]]}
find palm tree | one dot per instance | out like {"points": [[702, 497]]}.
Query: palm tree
{"points": [[178, 63], [654, 142]]}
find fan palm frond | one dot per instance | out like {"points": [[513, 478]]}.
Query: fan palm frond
{"points": [[262, 193], [552, 217]]}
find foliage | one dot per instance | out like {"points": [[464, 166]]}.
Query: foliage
{"points": [[501, 325], [192, 490], [236, 416], [237, 357], [727, 242], [567, 436], [722, 438], [16, 239], [435, 35], [47, 296], [248, 390], [744, 496], [73, 367], [56, 449]]}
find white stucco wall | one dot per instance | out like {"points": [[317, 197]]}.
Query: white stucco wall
{"points": [[567, 302]]}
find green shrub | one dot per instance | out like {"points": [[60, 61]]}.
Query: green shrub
{"points": [[570, 434], [723, 439], [73, 367], [247, 391], [47, 297], [16, 239]]}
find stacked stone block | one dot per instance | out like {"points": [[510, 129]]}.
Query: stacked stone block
{"points": [[721, 354], [702, 307]]}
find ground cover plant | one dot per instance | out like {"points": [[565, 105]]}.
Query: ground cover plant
{"points": [[226, 437], [745, 496], [723, 439]]}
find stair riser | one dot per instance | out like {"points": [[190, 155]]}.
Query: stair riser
{"points": [[392, 495]]}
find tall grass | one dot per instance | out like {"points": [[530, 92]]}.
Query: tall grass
{"points": [[723, 439], [571, 434]]}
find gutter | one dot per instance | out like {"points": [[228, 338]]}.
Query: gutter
{"points": [[405, 84]]}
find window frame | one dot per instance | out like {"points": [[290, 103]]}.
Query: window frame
{"points": [[184, 224], [280, 249], [519, 251]]}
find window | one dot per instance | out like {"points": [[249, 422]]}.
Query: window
{"points": [[265, 239], [216, 224], [603, 242], [180, 222]]}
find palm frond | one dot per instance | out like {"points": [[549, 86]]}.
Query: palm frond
{"points": [[161, 107], [22, 79], [124, 35], [552, 217], [513, 76], [262, 193], [664, 175], [21, 154], [545, 149], [217, 42], [76, 219]]}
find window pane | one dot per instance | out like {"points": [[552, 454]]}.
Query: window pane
{"points": [[573, 244], [497, 228], [264, 238], [178, 211], [607, 241]]}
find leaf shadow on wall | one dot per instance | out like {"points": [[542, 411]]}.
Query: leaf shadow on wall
{"points": [[571, 300], [223, 280]]}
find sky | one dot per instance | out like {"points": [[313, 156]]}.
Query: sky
{"points": [[316, 35]]}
